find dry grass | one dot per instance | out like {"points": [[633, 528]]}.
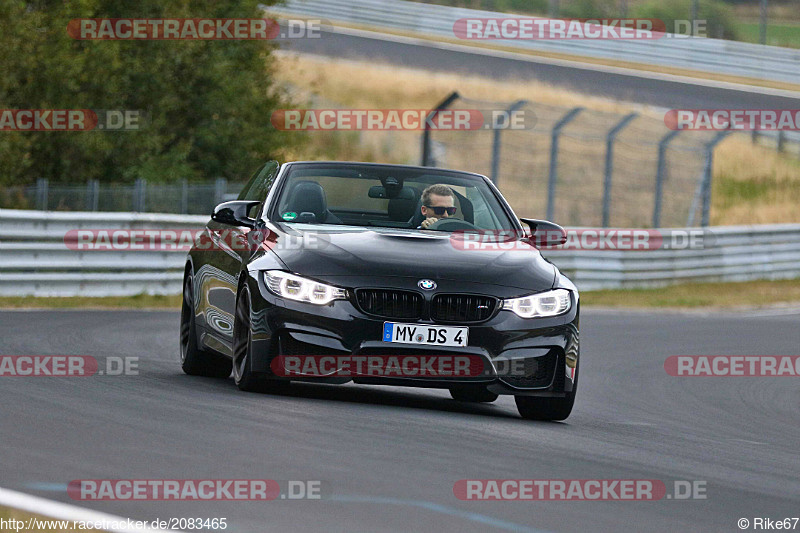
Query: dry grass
{"points": [[327, 83], [356, 83], [8, 513], [752, 184], [141, 301]]}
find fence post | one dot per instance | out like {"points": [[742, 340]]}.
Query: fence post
{"points": [[496, 143], [220, 189], [184, 197], [42, 191], [609, 170], [92, 193], [707, 175], [781, 140], [551, 180], [660, 169], [426, 134], [139, 195]]}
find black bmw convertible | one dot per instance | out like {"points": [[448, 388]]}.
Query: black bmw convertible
{"points": [[339, 272]]}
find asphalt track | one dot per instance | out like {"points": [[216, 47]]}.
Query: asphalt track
{"points": [[643, 89], [388, 457]]}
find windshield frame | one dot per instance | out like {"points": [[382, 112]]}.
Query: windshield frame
{"points": [[270, 213]]}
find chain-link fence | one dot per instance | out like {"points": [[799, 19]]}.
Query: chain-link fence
{"points": [[582, 167], [142, 197]]}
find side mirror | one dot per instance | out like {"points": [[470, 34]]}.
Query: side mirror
{"points": [[235, 213], [545, 233]]}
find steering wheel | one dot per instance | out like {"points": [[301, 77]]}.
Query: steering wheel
{"points": [[452, 224]]}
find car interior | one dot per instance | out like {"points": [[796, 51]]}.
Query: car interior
{"points": [[383, 202]]}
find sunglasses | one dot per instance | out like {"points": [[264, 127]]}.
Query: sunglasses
{"points": [[440, 210]]}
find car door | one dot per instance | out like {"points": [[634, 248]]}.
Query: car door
{"points": [[223, 264]]}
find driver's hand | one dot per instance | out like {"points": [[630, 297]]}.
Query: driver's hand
{"points": [[428, 221]]}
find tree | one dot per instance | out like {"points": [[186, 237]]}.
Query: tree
{"points": [[207, 103]]}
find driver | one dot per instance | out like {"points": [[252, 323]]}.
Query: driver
{"points": [[438, 201]]}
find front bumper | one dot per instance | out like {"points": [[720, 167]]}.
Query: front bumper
{"points": [[530, 357]]}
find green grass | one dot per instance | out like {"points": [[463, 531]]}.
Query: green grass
{"points": [[787, 35], [699, 295], [732, 191]]}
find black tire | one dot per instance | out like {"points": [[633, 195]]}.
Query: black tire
{"points": [[243, 374], [194, 361], [533, 408], [473, 393]]}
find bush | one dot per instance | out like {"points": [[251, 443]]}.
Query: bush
{"points": [[531, 7], [208, 102], [591, 9]]}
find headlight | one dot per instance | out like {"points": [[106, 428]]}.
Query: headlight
{"points": [[550, 303], [301, 289]]}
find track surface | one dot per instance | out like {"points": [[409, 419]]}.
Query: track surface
{"points": [[660, 93], [389, 456]]}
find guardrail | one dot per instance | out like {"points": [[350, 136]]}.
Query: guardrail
{"points": [[734, 253], [675, 51], [34, 261]]}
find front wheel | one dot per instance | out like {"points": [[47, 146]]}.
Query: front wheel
{"points": [[243, 374], [534, 408], [194, 361]]}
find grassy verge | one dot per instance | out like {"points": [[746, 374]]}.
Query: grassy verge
{"points": [[140, 301], [700, 295], [787, 35], [689, 295], [43, 522]]}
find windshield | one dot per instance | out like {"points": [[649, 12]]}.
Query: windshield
{"points": [[386, 196]]}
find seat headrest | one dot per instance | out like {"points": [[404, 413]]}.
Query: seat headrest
{"points": [[309, 196], [402, 209]]}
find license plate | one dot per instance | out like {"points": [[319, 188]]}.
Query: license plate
{"points": [[424, 334]]}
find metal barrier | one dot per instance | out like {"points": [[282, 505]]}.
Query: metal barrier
{"points": [[34, 260], [140, 196], [674, 51], [736, 253]]}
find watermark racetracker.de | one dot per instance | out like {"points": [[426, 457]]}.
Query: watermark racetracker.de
{"points": [[183, 239], [67, 366], [422, 365], [195, 489], [578, 490], [733, 119], [72, 119], [595, 239], [402, 119], [733, 365], [193, 29]]}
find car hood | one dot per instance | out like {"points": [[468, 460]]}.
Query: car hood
{"points": [[326, 252]]}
